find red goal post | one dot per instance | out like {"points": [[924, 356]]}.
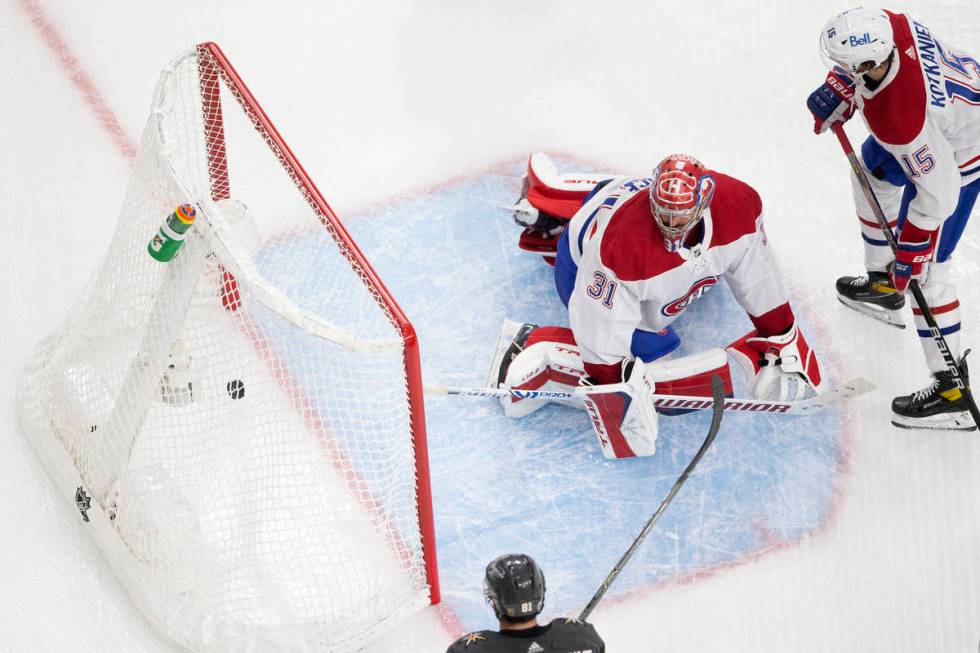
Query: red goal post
{"points": [[213, 63]]}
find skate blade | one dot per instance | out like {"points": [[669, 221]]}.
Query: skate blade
{"points": [[508, 329], [891, 318], [961, 421]]}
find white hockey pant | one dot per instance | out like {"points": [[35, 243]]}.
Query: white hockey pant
{"points": [[877, 253]]}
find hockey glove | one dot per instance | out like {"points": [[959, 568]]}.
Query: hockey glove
{"points": [[915, 246], [778, 367], [833, 101]]}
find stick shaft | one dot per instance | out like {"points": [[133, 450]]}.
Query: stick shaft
{"points": [[920, 300], [853, 388], [718, 393]]}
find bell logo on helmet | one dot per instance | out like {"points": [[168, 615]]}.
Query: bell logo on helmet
{"points": [[864, 39], [854, 37]]}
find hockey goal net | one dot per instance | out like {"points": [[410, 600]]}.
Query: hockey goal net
{"points": [[246, 419]]}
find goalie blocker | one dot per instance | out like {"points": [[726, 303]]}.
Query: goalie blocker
{"points": [[623, 415]]}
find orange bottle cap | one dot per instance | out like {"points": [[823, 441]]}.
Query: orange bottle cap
{"points": [[186, 213]]}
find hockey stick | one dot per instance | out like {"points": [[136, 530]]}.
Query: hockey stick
{"points": [[853, 388], [718, 396], [920, 299]]}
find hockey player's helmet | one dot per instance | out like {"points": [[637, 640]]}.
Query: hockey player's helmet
{"points": [[682, 189], [514, 586], [857, 40]]}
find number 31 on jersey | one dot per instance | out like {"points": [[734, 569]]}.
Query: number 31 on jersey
{"points": [[602, 288]]}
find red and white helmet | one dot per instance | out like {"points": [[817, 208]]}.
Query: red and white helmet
{"points": [[682, 189]]}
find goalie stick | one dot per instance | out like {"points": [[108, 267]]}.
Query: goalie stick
{"points": [[853, 388], [718, 397], [916, 291]]}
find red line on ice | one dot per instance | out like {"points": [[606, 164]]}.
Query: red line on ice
{"points": [[79, 78]]}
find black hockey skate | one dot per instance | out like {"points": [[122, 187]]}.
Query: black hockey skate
{"points": [[510, 342], [873, 296], [941, 406]]}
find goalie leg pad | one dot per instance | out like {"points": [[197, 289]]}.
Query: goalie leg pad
{"points": [[623, 415], [557, 195], [549, 360], [690, 375]]}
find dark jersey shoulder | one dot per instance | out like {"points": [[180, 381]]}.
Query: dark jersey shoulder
{"points": [[576, 636], [480, 640], [559, 636]]}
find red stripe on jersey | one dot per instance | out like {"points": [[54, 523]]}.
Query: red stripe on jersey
{"points": [[938, 310], [971, 161], [896, 114], [775, 322]]}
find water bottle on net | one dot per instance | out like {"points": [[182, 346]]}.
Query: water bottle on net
{"points": [[167, 241]]}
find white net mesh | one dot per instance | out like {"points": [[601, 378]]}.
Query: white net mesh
{"points": [[241, 415]]}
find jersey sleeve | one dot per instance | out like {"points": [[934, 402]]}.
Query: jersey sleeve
{"points": [[928, 161], [757, 285]]}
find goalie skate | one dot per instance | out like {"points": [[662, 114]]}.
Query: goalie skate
{"points": [[872, 295], [510, 341]]}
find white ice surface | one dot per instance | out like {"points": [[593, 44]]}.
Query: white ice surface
{"points": [[379, 99]]}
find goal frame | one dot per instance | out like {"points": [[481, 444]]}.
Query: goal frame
{"points": [[209, 52]]}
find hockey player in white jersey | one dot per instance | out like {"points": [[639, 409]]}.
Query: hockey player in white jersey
{"points": [[634, 255], [920, 99]]}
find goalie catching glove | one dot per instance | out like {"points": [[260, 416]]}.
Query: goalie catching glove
{"points": [[779, 367]]}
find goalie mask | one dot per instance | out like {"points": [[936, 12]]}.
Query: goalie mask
{"points": [[681, 190], [514, 586]]}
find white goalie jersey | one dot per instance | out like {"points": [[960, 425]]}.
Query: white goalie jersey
{"points": [[627, 280]]}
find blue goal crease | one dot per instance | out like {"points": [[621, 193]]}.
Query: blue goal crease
{"points": [[539, 485]]}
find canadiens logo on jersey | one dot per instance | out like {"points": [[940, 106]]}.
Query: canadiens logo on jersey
{"points": [[697, 289]]}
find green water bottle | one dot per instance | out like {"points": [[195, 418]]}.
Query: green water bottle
{"points": [[165, 243]]}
